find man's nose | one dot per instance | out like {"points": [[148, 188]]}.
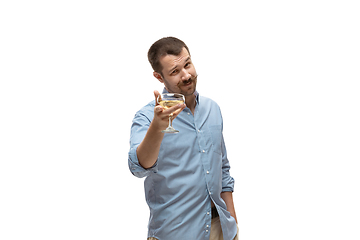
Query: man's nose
{"points": [[185, 75]]}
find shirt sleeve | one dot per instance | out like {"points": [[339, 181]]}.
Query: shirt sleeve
{"points": [[227, 181], [139, 128]]}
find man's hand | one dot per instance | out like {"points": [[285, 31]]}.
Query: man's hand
{"points": [[228, 199], [161, 115], [149, 148]]}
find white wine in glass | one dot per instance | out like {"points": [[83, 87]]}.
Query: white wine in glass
{"points": [[167, 100]]}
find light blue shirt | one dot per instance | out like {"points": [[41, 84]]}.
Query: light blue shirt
{"points": [[192, 168]]}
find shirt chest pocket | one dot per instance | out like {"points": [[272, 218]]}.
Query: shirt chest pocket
{"points": [[216, 138]]}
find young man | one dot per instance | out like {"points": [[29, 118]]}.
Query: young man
{"points": [[188, 186]]}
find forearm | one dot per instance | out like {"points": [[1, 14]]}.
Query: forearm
{"points": [[228, 199], [148, 150]]}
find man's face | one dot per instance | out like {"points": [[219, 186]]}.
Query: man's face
{"points": [[178, 74]]}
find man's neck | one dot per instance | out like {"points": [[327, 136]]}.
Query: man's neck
{"points": [[191, 102]]}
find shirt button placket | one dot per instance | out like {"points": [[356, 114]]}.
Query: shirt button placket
{"points": [[207, 229]]}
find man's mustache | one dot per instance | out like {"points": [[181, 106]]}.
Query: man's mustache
{"points": [[190, 80]]}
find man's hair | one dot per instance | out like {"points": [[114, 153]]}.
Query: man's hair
{"points": [[163, 47]]}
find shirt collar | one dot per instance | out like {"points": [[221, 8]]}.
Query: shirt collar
{"points": [[197, 98]]}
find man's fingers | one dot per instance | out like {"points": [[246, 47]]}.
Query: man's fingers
{"points": [[176, 112], [174, 109], [158, 109], [164, 113]]}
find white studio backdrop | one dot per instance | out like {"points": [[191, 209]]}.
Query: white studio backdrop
{"points": [[73, 74]]}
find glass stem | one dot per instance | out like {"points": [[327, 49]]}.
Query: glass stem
{"points": [[170, 125]]}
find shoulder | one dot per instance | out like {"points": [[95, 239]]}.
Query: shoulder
{"points": [[208, 102], [210, 109]]}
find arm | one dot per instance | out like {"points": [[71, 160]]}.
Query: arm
{"points": [[148, 150], [228, 199], [227, 181]]}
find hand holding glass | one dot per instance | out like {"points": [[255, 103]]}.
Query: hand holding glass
{"points": [[168, 100]]}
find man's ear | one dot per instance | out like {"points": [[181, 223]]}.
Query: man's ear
{"points": [[158, 77]]}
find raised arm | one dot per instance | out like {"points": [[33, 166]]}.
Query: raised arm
{"points": [[149, 148]]}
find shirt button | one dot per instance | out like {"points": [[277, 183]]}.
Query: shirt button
{"points": [[207, 230], [208, 213], [203, 151], [207, 172], [207, 226], [188, 113]]}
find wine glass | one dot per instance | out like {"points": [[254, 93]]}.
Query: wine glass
{"points": [[167, 100]]}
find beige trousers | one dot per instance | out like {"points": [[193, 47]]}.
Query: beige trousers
{"points": [[215, 231]]}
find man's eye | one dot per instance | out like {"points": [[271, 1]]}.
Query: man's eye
{"points": [[175, 71]]}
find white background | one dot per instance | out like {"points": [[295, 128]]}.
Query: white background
{"points": [[73, 74]]}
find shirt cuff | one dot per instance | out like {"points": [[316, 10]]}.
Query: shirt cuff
{"points": [[135, 167], [228, 184]]}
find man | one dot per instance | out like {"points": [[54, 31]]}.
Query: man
{"points": [[188, 186]]}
